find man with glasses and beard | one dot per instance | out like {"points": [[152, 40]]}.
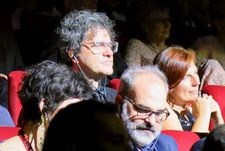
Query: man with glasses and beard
{"points": [[142, 97]]}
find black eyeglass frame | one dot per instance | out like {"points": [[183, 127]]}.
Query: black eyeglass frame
{"points": [[158, 114]]}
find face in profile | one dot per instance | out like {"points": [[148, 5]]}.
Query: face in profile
{"points": [[158, 25], [96, 55], [187, 90]]}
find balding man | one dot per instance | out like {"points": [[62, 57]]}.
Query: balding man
{"points": [[143, 95]]}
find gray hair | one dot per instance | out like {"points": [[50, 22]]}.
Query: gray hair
{"points": [[127, 81], [129, 75], [74, 26]]}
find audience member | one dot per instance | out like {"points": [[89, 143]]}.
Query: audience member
{"points": [[211, 73], [98, 128], [143, 94], [152, 19], [215, 140], [88, 45], [197, 146], [189, 110], [46, 88]]}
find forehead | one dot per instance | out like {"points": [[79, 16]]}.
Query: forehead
{"points": [[97, 34], [149, 90], [192, 68]]}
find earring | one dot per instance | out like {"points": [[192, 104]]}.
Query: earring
{"points": [[45, 114]]}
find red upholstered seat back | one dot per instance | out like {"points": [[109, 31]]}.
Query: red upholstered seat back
{"points": [[115, 84], [184, 139], [218, 93], [14, 104], [7, 132]]}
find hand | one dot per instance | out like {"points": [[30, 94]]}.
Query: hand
{"points": [[202, 106], [216, 112]]}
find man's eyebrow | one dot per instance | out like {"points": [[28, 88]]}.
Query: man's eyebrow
{"points": [[142, 106]]}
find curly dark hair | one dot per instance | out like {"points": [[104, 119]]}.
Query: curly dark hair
{"points": [[53, 83], [74, 27]]}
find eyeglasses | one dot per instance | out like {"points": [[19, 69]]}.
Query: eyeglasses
{"points": [[100, 47], [144, 112]]}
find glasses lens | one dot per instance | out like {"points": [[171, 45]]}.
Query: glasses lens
{"points": [[115, 47], [99, 47], [162, 116]]}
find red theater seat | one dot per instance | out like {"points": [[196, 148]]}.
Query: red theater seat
{"points": [[115, 84], [14, 104], [184, 139], [7, 132], [218, 93]]}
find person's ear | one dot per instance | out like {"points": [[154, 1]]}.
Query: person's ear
{"points": [[73, 56], [70, 53], [43, 106]]}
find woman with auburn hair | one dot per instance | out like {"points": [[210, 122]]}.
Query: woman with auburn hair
{"points": [[189, 109]]}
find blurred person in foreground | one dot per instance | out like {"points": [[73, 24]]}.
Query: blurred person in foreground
{"points": [[97, 128], [45, 89]]}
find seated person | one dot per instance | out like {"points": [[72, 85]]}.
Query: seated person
{"points": [[189, 110], [46, 88], [211, 73], [88, 45], [142, 98], [149, 20], [214, 141], [97, 128]]}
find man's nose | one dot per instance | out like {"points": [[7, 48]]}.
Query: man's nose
{"points": [[108, 51], [151, 119]]}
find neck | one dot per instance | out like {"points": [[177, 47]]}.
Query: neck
{"points": [[175, 106], [157, 42], [35, 134], [178, 108], [157, 47], [93, 78]]}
